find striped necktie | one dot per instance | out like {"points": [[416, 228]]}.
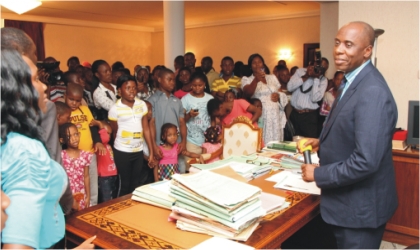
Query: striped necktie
{"points": [[339, 93], [337, 99]]}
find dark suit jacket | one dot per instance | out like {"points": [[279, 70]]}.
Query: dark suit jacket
{"points": [[50, 126], [356, 173]]}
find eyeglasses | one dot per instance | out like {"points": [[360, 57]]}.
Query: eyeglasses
{"points": [[258, 163]]}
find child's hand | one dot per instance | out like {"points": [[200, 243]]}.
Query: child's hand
{"points": [[87, 202], [100, 148], [96, 123], [201, 160], [193, 113], [75, 206]]}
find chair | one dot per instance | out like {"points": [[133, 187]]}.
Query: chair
{"points": [[238, 138]]}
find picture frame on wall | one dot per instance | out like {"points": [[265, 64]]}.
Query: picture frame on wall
{"points": [[308, 53]]}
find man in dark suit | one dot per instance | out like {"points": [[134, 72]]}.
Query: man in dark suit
{"points": [[356, 173]]}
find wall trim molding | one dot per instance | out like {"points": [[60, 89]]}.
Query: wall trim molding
{"points": [[251, 19], [75, 22]]}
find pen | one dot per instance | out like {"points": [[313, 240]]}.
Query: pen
{"points": [[271, 171]]}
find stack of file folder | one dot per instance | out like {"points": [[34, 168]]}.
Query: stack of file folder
{"points": [[255, 168], [282, 145], [217, 205], [156, 194]]}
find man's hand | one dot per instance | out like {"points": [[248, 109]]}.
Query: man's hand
{"points": [[100, 148], [309, 142], [311, 72], [308, 172]]}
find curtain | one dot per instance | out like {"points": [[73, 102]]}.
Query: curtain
{"points": [[35, 30]]}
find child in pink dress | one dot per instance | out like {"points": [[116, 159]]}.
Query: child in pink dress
{"points": [[168, 165], [212, 143], [76, 163]]}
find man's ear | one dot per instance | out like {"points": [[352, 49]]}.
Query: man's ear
{"points": [[368, 52]]}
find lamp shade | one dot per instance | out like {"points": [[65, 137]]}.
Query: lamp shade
{"points": [[20, 6]]}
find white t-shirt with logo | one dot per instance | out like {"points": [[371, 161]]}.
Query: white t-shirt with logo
{"points": [[129, 136]]}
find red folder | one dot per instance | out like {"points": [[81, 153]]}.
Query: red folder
{"points": [[400, 135]]}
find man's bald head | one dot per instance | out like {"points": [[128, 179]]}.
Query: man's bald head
{"points": [[367, 31], [17, 39]]}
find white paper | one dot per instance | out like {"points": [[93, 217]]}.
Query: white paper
{"points": [[241, 168], [219, 189], [221, 243], [162, 186], [285, 205], [294, 182], [278, 177], [270, 202]]}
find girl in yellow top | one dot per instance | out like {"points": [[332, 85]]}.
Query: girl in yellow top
{"points": [[89, 136]]}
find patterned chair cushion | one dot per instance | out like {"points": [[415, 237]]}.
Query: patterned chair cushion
{"points": [[241, 138]]}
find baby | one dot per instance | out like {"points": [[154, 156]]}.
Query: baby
{"points": [[213, 141]]}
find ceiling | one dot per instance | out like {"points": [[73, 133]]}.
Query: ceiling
{"points": [[149, 14]]}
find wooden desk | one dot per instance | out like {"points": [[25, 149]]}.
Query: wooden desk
{"points": [[271, 233], [403, 227]]}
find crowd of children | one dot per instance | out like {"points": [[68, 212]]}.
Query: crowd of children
{"points": [[120, 131]]}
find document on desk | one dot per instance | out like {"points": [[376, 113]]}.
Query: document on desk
{"points": [[243, 236], [156, 194], [221, 243], [271, 202], [241, 168], [215, 187], [220, 163], [294, 182], [162, 186]]}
